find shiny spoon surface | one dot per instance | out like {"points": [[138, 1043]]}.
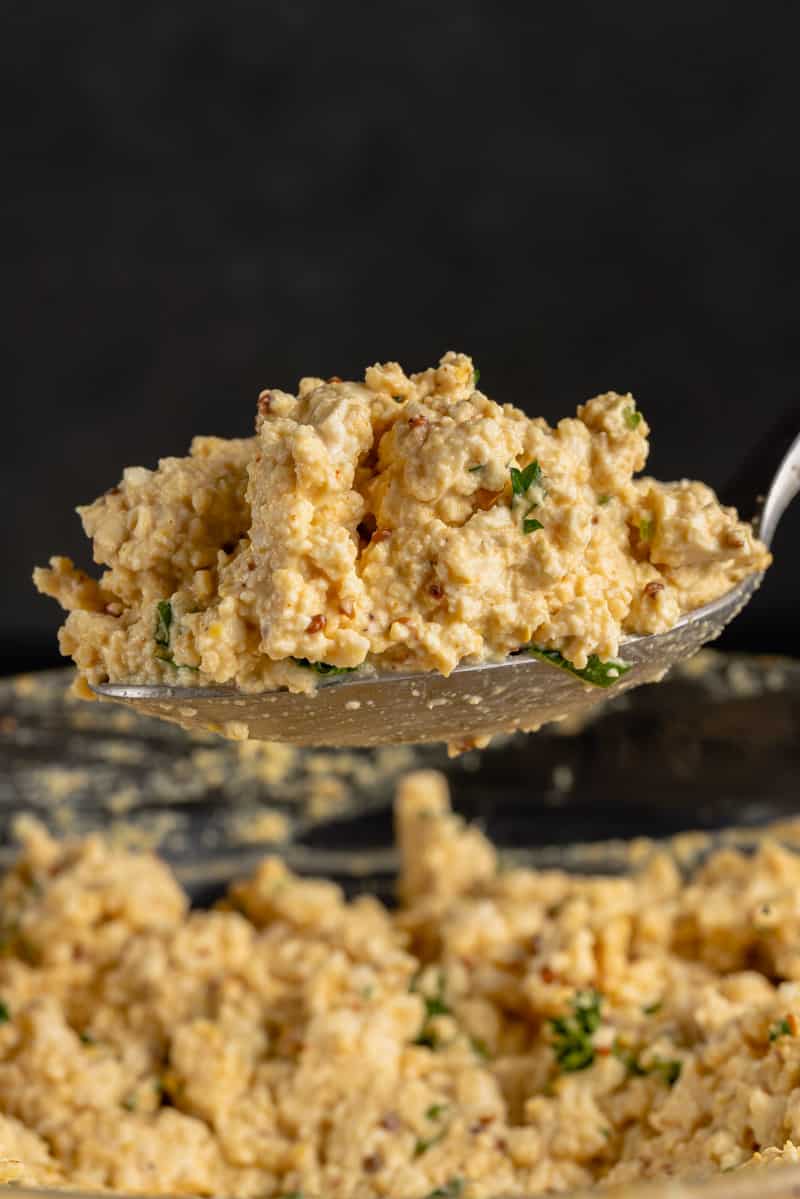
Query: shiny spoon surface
{"points": [[474, 702]]}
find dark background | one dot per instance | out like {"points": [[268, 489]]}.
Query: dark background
{"points": [[204, 199]]}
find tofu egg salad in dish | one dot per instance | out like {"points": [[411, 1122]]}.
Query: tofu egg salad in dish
{"points": [[502, 1032], [408, 522]]}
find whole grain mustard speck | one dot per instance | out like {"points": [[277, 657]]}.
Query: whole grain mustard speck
{"points": [[515, 1032], [406, 522]]}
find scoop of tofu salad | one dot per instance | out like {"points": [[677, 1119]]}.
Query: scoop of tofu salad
{"points": [[406, 522]]}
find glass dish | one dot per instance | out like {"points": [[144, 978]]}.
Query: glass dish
{"points": [[714, 749]]}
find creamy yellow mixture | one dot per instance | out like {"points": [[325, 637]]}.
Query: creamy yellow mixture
{"points": [[404, 522], [503, 1032]]}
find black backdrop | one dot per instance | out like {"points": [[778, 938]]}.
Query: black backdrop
{"points": [[203, 199]]}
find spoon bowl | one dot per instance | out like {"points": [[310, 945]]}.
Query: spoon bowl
{"points": [[471, 704]]}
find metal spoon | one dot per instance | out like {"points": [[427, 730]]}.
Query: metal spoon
{"points": [[520, 692]]}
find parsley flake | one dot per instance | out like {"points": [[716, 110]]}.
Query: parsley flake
{"points": [[629, 1059], [523, 480], [476, 376], [572, 1035], [632, 418], [324, 667], [435, 1005], [480, 1048], [163, 623], [781, 1028], [472, 469], [452, 1189], [436, 1111], [5, 1014], [421, 1145], [646, 524], [669, 1069], [604, 499], [596, 672], [162, 634]]}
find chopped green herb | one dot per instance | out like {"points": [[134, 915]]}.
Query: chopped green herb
{"points": [[129, 1103], [324, 667], [523, 480], [422, 1145], [452, 1189], [781, 1028], [161, 636], [5, 1014], [629, 1059], [436, 1111], [604, 499], [480, 1048], [596, 672], [652, 1008], [87, 1038], [163, 622], [646, 524], [292, 1195], [670, 1070], [472, 469], [435, 1005], [572, 1035], [476, 377], [632, 418]]}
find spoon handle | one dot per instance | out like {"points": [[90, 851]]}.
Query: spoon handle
{"points": [[783, 489], [758, 482]]}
